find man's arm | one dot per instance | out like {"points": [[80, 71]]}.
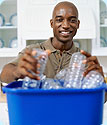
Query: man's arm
{"points": [[20, 68], [93, 64], [24, 66], [10, 73]]}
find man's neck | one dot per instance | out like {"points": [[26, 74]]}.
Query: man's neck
{"points": [[61, 45]]}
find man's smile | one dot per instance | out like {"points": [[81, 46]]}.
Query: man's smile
{"points": [[65, 33]]}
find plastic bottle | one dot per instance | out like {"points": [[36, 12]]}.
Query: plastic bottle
{"points": [[51, 84], [75, 71], [61, 75], [42, 57], [92, 80]]}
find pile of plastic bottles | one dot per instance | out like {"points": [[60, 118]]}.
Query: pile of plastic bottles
{"points": [[42, 57], [71, 77]]}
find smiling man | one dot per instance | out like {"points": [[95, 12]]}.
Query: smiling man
{"points": [[65, 24]]}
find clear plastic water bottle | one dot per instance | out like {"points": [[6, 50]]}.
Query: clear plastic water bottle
{"points": [[75, 71], [30, 83], [61, 75], [51, 84], [42, 57], [92, 80]]}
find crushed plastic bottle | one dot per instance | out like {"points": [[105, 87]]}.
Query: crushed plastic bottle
{"points": [[92, 80], [42, 57], [75, 71], [51, 84], [61, 75], [31, 83]]}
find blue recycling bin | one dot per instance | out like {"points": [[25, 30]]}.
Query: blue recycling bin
{"points": [[54, 107]]}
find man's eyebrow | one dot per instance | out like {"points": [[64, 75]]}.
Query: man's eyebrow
{"points": [[58, 16], [73, 17], [69, 17]]}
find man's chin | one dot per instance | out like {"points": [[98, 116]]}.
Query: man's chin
{"points": [[65, 40]]}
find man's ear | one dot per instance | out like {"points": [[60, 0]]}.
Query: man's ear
{"points": [[51, 23], [78, 24]]}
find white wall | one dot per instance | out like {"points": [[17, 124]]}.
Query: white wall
{"points": [[4, 61]]}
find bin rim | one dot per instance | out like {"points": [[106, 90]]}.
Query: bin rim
{"points": [[11, 88]]}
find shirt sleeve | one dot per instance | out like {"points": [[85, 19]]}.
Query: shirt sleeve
{"points": [[16, 60]]}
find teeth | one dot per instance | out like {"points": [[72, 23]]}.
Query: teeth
{"points": [[65, 32]]}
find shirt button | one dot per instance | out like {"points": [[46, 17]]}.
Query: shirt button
{"points": [[60, 67]]}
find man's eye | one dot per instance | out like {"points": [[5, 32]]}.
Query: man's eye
{"points": [[73, 20], [59, 20]]}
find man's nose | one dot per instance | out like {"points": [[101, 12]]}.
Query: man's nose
{"points": [[65, 24]]}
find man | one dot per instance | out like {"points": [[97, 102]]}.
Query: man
{"points": [[65, 24]]}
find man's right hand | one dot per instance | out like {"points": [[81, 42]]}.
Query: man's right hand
{"points": [[28, 63]]}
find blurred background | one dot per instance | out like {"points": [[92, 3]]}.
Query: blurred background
{"points": [[23, 22]]}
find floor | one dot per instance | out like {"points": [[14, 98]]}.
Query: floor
{"points": [[4, 114], [105, 114]]}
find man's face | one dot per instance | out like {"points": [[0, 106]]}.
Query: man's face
{"points": [[65, 23]]}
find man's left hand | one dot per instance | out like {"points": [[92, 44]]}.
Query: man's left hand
{"points": [[92, 63]]}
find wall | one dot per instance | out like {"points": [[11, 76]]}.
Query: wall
{"points": [[4, 61]]}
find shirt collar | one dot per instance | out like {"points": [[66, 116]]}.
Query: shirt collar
{"points": [[48, 45]]}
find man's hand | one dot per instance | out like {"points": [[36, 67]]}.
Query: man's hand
{"points": [[92, 63], [28, 63]]}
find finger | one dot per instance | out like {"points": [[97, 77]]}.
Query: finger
{"points": [[28, 66], [29, 74], [28, 51], [34, 52], [23, 71], [90, 59], [46, 52], [33, 76], [29, 59], [85, 53], [93, 67], [89, 64]]}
